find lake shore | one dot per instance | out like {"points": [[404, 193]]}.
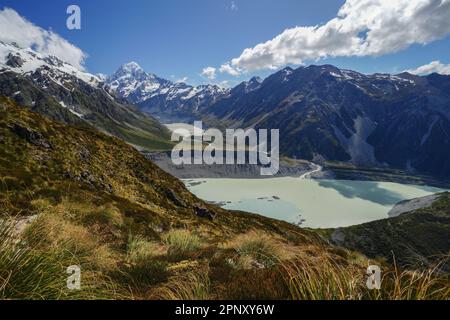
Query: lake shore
{"points": [[295, 168], [312, 203]]}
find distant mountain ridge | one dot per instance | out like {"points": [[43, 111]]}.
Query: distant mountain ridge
{"points": [[323, 112], [326, 113], [47, 85], [162, 98]]}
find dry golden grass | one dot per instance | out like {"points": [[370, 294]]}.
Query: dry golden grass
{"points": [[322, 279], [328, 278], [51, 231], [181, 243], [192, 285], [258, 249], [427, 284], [30, 273], [140, 249]]}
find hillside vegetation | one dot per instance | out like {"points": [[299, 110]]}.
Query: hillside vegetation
{"points": [[419, 238], [73, 196]]}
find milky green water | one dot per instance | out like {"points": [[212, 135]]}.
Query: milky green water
{"points": [[313, 203]]}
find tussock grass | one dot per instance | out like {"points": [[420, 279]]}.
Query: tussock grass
{"points": [[257, 249], [143, 275], [140, 249], [52, 232], [193, 285], [103, 215], [326, 278], [181, 243], [322, 279], [427, 284], [141, 268], [32, 274], [85, 213]]}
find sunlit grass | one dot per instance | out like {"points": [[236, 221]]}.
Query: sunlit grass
{"points": [[32, 274], [181, 243], [255, 249], [193, 285]]}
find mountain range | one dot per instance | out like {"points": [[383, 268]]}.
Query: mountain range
{"points": [[324, 113], [167, 100]]}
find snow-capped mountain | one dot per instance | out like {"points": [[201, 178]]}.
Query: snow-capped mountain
{"points": [[26, 61], [131, 82], [56, 89], [160, 97], [324, 112]]}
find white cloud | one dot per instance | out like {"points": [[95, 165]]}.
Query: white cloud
{"points": [[209, 73], [15, 28], [433, 66], [227, 68], [182, 80], [361, 28]]}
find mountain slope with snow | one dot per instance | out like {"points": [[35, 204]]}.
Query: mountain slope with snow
{"points": [[56, 89], [402, 121], [162, 98], [323, 112]]}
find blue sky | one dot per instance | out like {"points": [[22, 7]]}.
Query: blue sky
{"points": [[176, 39]]}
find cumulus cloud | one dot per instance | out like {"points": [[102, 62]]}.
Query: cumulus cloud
{"points": [[227, 68], [209, 73], [361, 28], [15, 28], [433, 66]]}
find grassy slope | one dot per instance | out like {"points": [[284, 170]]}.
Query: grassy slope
{"points": [[99, 203]]}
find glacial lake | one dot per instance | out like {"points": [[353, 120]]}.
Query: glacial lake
{"points": [[313, 203]]}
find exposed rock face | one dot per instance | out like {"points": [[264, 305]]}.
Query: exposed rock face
{"points": [[31, 136], [14, 61], [174, 198], [204, 213], [164, 161]]}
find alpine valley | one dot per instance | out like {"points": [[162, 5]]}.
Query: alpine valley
{"points": [[324, 114], [78, 186]]}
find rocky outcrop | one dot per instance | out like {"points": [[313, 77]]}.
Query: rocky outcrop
{"points": [[31, 136], [204, 213]]}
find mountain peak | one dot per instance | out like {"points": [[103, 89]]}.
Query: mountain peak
{"points": [[132, 65], [256, 80], [130, 68]]}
